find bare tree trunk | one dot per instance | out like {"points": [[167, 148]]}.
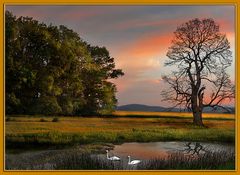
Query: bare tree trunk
{"points": [[197, 107], [197, 118]]}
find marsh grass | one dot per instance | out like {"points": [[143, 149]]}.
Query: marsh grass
{"points": [[87, 161], [179, 161], [54, 138], [70, 159]]}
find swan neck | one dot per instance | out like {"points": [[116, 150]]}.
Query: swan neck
{"points": [[129, 159], [107, 155]]}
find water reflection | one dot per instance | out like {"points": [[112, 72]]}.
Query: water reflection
{"points": [[194, 148], [150, 150]]}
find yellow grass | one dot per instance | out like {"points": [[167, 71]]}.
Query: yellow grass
{"points": [[173, 114], [96, 124]]}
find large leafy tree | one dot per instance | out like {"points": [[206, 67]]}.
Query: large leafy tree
{"points": [[99, 90], [50, 70], [199, 55]]}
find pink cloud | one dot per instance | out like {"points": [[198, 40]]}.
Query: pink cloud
{"points": [[225, 26], [151, 44], [146, 51], [140, 56]]}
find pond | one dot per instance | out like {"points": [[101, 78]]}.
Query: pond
{"points": [[153, 150], [50, 158]]}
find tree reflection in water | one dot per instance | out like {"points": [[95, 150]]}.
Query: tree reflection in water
{"points": [[194, 149]]}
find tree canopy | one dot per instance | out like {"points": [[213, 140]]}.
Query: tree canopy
{"points": [[200, 55], [51, 70]]}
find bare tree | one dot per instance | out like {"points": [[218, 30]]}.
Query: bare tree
{"points": [[199, 55]]}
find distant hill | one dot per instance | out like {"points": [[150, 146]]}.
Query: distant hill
{"points": [[140, 107], [219, 110], [146, 108]]}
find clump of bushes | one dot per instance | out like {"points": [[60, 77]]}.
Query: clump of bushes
{"points": [[8, 119], [43, 120], [55, 119]]}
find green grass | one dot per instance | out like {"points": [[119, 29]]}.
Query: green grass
{"points": [[29, 130]]}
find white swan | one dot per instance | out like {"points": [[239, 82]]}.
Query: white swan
{"points": [[133, 162], [113, 157]]}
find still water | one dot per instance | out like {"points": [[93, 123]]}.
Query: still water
{"points": [[46, 159], [152, 150]]}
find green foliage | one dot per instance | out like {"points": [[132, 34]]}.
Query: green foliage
{"points": [[99, 93], [46, 105], [66, 105], [50, 70]]}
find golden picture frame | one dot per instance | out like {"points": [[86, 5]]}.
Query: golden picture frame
{"points": [[120, 2]]}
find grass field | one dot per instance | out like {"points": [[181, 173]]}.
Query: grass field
{"points": [[119, 128], [173, 114]]}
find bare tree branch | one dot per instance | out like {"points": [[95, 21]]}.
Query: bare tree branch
{"points": [[201, 54]]}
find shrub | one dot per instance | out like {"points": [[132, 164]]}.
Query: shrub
{"points": [[43, 120], [55, 119], [8, 119]]}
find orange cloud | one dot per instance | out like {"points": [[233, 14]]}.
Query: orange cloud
{"points": [[139, 57], [225, 26], [151, 44], [226, 102], [145, 52]]}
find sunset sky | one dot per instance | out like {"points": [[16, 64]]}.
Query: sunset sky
{"points": [[137, 37]]}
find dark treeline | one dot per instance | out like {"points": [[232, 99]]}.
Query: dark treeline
{"points": [[50, 70]]}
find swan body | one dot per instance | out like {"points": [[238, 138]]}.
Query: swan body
{"points": [[113, 157], [133, 162]]}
